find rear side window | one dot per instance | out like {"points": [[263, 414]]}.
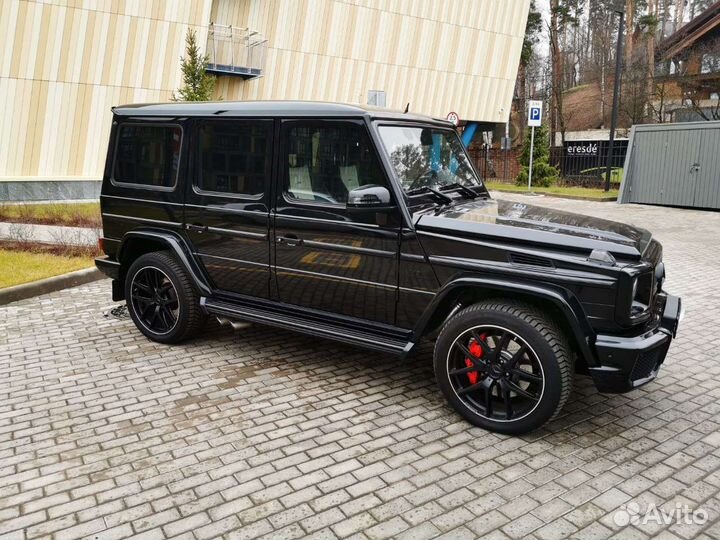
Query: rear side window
{"points": [[234, 157], [148, 155]]}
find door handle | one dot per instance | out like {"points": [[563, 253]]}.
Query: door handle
{"points": [[289, 240], [196, 227]]}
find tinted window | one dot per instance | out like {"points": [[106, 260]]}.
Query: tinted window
{"points": [[324, 163], [148, 155], [234, 157]]}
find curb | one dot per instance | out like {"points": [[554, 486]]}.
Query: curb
{"points": [[48, 285], [570, 197]]}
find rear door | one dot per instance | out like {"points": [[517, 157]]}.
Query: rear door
{"points": [[327, 258], [227, 202]]}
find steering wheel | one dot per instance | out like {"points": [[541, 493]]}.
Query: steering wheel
{"points": [[426, 179]]}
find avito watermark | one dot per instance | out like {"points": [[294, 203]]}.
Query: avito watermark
{"points": [[631, 513]]}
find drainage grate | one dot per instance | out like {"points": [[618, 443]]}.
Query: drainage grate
{"points": [[118, 312]]}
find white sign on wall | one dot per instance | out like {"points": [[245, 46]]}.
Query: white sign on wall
{"points": [[453, 118]]}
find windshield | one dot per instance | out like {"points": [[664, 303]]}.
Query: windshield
{"points": [[425, 157]]}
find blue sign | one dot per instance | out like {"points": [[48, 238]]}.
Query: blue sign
{"points": [[535, 113]]}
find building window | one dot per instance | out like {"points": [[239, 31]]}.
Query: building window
{"points": [[234, 157], [376, 98], [148, 155], [710, 63]]}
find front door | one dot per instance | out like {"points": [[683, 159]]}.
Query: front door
{"points": [[327, 258], [227, 203]]}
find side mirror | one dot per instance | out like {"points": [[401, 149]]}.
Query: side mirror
{"points": [[370, 198]]}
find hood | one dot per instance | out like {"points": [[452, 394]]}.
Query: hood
{"points": [[535, 225]]}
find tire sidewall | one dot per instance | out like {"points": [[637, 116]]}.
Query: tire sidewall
{"points": [[552, 388], [154, 260]]}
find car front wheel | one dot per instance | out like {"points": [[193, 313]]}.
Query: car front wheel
{"points": [[161, 298], [504, 366]]}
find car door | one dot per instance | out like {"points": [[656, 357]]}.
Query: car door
{"points": [[326, 257], [227, 203]]}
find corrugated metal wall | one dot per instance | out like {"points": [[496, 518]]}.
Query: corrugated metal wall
{"points": [[459, 56], [673, 165], [64, 63]]}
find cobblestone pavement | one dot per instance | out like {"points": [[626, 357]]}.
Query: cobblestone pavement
{"points": [[105, 435]]}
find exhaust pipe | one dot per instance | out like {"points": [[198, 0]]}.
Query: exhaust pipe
{"points": [[236, 325]]}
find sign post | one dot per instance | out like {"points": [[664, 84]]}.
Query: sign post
{"points": [[534, 120]]}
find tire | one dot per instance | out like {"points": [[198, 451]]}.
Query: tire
{"points": [[529, 381], [179, 315]]}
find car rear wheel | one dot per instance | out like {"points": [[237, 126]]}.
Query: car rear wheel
{"points": [[504, 366], [161, 298]]}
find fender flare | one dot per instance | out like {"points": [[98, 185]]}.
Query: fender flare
{"points": [[178, 246], [569, 306]]}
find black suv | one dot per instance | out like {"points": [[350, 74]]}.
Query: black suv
{"points": [[373, 228]]}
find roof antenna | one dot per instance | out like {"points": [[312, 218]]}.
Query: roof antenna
{"points": [[407, 108]]}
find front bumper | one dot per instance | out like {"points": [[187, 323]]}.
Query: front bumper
{"points": [[626, 363]]}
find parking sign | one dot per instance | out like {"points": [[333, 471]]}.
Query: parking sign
{"points": [[534, 113]]}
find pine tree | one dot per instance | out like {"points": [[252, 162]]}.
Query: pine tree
{"points": [[198, 85], [543, 174]]}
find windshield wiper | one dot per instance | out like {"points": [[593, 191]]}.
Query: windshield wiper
{"points": [[463, 189], [427, 189]]}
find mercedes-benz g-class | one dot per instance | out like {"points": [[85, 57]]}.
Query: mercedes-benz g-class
{"points": [[374, 228]]}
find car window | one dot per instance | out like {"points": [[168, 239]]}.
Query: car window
{"points": [[148, 155], [427, 157], [325, 162], [234, 157]]}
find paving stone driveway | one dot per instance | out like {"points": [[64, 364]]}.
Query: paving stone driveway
{"points": [[105, 435]]}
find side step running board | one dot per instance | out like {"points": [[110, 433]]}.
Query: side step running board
{"points": [[298, 324]]}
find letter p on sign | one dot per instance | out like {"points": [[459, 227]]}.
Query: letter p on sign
{"points": [[534, 113]]}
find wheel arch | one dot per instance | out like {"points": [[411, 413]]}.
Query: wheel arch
{"points": [[460, 293], [141, 241]]}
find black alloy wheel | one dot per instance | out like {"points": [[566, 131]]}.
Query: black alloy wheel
{"points": [[495, 372], [162, 299], [155, 300], [504, 365]]}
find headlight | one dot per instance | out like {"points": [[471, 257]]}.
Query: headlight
{"points": [[642, 286], [660, 275], [635, 297]]}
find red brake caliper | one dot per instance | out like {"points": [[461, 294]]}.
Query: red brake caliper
{"points": [[476, 351]]}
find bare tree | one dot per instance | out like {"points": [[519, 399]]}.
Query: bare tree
{"points": [[630, 31], [532, 31]]}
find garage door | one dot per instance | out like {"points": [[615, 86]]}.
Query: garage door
{"points": [[674, 165], [707, 182]]}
